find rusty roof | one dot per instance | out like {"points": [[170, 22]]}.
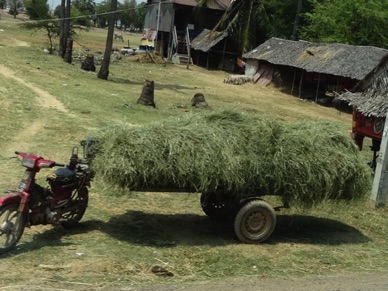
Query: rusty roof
{"points": [[207, 39], [354, 62], [212, 4]]}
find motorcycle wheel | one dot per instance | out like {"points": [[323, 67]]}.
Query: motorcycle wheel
{"points": [[77, 204], [11, 228]]}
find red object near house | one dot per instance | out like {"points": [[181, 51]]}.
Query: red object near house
{"points": [[368, 126]]}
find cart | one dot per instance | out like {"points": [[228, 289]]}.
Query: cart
{"points": [[253, 219]]}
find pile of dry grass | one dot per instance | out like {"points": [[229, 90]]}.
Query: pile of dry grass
{"points": [[147, 57], [237, 153]]}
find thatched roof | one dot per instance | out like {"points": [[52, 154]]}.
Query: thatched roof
{"points": [[374, 100], [207, 39], [354, 62]]}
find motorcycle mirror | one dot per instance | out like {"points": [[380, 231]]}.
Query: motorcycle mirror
{"points": [[75, 151]]}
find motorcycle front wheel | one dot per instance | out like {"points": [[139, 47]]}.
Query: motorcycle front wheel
{"points": [[11, 227], [75, 209]]}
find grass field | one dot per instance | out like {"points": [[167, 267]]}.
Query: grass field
{"points": [[47, 106]]}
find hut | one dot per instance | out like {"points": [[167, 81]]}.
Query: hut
{"points": [[176, 25], [211, 50], [313, 70]]}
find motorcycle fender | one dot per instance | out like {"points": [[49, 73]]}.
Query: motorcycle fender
{"points": [[10, 198]]}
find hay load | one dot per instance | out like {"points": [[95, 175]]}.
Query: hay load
{"points": [[237, 153]]}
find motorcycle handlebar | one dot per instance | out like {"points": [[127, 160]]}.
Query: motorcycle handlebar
{"points": [[45, 165]]}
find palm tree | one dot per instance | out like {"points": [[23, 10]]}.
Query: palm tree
{"points": [[104, 69], [244, 21]]}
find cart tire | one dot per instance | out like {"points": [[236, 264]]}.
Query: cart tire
{"points": [[255, 221], [213, 208]]}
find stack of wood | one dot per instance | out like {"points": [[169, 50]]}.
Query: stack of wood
{"points": [[238, 79]]}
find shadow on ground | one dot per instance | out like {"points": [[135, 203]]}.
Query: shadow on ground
{"points": [[166, 230], [158, 86]]}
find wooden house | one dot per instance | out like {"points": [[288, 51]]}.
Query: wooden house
{"points": [[178, 23]]}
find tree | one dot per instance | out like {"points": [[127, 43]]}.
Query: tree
{"points": [[104, 69], [3, 3], [86, 7], [128, 13], [50, 27], [141, 10], [281, 16], [37, 9], [83, 8], [348, 21], [101, 10], [14, 5], [297, 20]]}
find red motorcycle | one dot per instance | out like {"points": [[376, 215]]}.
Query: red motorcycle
{"points": [[63, 201]]}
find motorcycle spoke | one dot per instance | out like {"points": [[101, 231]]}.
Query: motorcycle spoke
{"points": [[11, 226]]}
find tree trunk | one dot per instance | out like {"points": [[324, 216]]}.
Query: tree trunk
{"points": [[65, 53], [69, 50], [62, 42], [104, 69], [296, 21], [147, 94]]}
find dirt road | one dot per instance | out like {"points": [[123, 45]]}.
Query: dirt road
{"points": [[354, 282]]}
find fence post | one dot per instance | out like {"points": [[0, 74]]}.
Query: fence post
{"points": [[380, 181]]}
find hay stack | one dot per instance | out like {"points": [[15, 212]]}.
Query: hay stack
{"points": [[237, 153]]}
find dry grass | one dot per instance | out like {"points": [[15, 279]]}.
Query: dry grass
{"points": [[234, 153], [122, 237]]}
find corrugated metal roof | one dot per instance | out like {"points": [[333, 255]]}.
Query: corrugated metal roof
{"points": [[207, 39], [354, 62], [215, 4]]}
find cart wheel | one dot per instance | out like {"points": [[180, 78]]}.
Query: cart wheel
{"points": [[255, 221], [214, 208]]}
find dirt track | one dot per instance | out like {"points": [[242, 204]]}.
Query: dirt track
{"points": [[354, 282]]}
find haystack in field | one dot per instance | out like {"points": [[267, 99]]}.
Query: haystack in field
{"points": [[237, 153]]}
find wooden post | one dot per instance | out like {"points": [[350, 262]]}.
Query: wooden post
{"points": [[223, 55], [316, 94], [300, 84], [293, 82], [380, 181], [337, 89], [188, 44]]}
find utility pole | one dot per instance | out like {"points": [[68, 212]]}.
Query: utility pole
{"points": [[157, 26], [380, 181]]}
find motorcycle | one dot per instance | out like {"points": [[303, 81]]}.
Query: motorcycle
{"points": [[63, 201]]}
